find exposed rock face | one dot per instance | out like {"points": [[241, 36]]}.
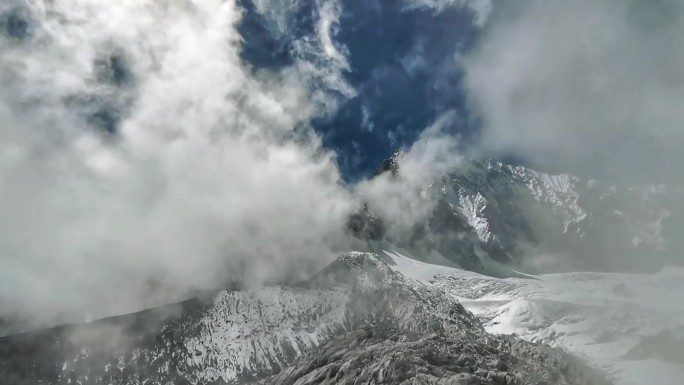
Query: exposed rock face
{"points": [[487, 212], [390, 356], [364, 224], [357, 307], [390, 165]]}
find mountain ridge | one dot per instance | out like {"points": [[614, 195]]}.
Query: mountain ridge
{"points": [[491, 217], [247, 336]]}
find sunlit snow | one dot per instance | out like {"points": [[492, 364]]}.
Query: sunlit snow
{"points": [[607, 319]]}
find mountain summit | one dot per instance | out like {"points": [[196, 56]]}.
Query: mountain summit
{"points": [[360, 320]]}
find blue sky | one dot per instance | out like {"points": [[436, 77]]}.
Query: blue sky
{"points": [[402, 65]]}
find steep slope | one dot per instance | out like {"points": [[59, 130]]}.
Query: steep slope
{"points": [[487, 214], [244, 336], [629, 325]]}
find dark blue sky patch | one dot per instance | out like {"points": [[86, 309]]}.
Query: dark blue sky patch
{"points": [[402, 64], [265, 47], [102, 113], [118, 69], [16, 24], [113, 69], [106, 119]]}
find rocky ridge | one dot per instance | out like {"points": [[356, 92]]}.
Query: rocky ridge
{"points": [[489, 216], [359, 315]]}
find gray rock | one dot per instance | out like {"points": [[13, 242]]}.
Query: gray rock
{"points": [[356, 322]]}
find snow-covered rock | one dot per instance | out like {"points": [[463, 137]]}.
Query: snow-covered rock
{"points": [[488, 213], [630, 326], [409, 328]]}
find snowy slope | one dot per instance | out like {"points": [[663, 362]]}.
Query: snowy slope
{"points": [[539, 223], [356, 312], [262, 331], [237, 337], [628, 325]]}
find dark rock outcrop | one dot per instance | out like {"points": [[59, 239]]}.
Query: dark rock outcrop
{"points": [[488, 217], [391, 356]]}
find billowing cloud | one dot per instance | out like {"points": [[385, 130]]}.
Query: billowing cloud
{"points": [[325, 57], [588, 87], [141, 159], [399, 197]]}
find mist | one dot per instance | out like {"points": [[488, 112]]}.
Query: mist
{"points": [[590, 88], [148, 155], [141, 160], [399, 197], [144, 161]]}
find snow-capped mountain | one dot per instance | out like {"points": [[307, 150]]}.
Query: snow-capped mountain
{"points": [[630, 326], [383, 317], [488, 214], [360, 320]]}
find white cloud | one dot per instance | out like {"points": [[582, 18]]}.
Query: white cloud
{"points": [[584, 86], [327, 58], [400, 198], [212, 176]]}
